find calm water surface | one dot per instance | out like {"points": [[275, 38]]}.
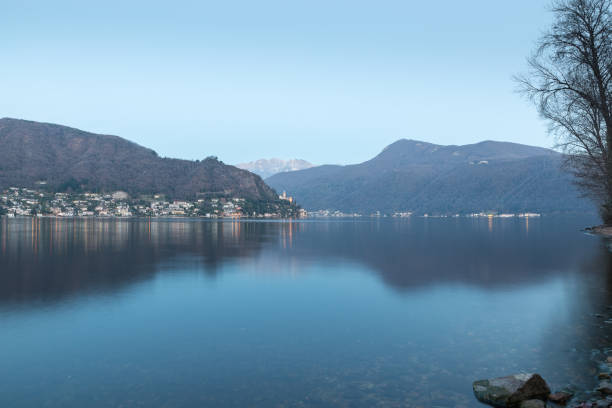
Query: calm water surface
{"points": [[389, 312]]}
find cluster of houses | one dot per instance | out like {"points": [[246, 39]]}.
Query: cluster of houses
{"points": [[27, 202]]}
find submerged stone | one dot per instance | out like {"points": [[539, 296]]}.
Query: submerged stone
{"points": [[510, 391], [560, 397], [533, 403]]}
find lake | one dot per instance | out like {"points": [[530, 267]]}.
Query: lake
{"points": [[313, 313]]}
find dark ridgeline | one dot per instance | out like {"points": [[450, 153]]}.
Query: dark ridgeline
{"points": [[410, 175], [70, 159]]}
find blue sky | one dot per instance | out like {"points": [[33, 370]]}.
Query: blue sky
{"points": [[329, 82]]}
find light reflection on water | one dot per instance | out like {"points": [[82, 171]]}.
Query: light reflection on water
{"points": [[390, 312]]}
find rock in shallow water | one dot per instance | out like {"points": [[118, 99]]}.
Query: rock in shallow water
{"points": [[533, 403], [605, 388], [560, 397], [510, 391]]}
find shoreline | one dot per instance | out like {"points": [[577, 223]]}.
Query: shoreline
{"points": [[137, 217], [602, 230]]}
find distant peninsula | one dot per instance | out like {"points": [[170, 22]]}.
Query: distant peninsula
{"points": [[49, 169]]}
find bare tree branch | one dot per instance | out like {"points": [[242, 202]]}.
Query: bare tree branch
{"points": [[569, 81]]}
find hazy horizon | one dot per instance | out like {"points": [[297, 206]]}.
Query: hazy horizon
{"points": [[319, 82]]}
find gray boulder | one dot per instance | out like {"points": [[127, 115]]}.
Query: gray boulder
{"points": [[605, 387], [510, 391]]}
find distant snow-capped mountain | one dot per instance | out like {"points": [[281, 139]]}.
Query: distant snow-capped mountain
{"points": [[269, 167]]}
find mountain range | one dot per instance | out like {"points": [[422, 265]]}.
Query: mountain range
{"points": [[64, 158], [407, 175], [269, 167], [411, 175]]}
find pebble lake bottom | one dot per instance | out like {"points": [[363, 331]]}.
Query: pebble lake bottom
{"points": [[314, 313]]}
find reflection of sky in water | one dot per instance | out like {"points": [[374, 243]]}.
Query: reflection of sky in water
{"points": [[398, 312]]}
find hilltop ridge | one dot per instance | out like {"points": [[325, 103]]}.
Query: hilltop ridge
{"points": [[66, 158], [412, 175]]}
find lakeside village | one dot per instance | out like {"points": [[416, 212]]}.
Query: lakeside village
{"points": [[17, 201]]}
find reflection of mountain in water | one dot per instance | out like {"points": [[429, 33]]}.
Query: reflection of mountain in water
{"points": [[50, 258], [479, 298], [415, 252]]}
